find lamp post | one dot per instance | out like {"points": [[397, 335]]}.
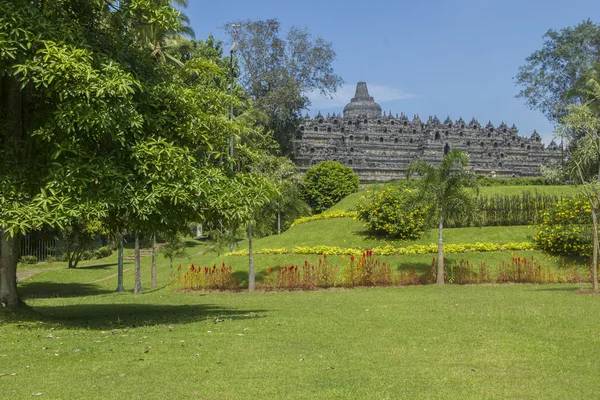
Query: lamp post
{"points": [[234, 48]]}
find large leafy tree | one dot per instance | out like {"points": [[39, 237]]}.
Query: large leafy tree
{"points": [[549, 74], [93, 127], [583, 166], [448, 191], [279, 70]]}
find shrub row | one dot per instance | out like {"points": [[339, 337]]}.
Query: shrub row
{"points": [[205, 278], [389, 250], [325, 215], [368, 271], [508, 210]]}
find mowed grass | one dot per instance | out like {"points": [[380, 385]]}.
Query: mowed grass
{"points": [[79, 339], [428, 342]]}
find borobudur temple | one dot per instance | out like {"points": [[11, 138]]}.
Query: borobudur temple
{"points": [[380, 147]]}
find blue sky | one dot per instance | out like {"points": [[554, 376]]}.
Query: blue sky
{"points": [[455, 58]]}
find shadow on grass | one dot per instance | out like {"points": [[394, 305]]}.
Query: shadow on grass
{"points": [[49, 289], [573, 289], [117, 316], [97, 266]]}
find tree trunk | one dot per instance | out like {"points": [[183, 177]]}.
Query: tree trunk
{"points": [[171, 268], [154, 285], [251, 279], [9, 256], [595, 252], [440, 267], [278, 223], [120, 287], [138, 272]]}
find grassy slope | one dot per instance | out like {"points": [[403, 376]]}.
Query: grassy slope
{"points": [[428, 342]]}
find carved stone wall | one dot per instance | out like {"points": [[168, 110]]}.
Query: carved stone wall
{"points": [[381, 147]]}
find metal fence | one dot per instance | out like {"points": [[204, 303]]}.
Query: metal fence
{"points": [[41, 247]]}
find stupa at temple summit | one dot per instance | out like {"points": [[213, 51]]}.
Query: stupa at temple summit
{"points": [[380, 147]]}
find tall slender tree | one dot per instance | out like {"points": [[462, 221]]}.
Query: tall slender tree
{"points": [[448, 190]]}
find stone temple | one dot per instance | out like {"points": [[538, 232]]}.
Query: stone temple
{"points": [[380, 147]]}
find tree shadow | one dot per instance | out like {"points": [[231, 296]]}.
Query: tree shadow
{"points": [[49, 289], [118, 316], [97, 266], [573, 289]]}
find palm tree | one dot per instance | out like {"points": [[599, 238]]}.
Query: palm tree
{"points": [[448, 190]]}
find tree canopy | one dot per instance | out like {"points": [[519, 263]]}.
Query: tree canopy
{"points": [[96, 126], [549, 74], [279, 70]]}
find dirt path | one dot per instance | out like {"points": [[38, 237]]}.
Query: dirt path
{"points": [[107, 277], [28, 273]]}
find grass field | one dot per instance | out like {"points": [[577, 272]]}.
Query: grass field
{"points": [[80, 339], [428, 342]]}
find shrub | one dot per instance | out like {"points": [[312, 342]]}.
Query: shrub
{"points": [[327, 183], [87, 255], [326, 215], [390, 211], [28, 259], [103, 252], [565, 228]]}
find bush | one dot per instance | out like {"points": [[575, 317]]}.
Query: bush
{"points": [[390, 211], [327, 183], [87, 255], [566, 228], [103, 252], [51, 259], [28, 259]]}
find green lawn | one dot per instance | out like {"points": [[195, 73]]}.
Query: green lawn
{"points": [[454, 342], [79, 339]]}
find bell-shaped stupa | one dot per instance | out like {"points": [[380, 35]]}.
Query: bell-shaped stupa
{"points": [[362, 105]]}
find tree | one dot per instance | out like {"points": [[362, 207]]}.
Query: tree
{"points": [[76, 237], [173, 248], [583, 166], [550, 74], [447, 190], [327, 183], [279, 71], [93, 127]]}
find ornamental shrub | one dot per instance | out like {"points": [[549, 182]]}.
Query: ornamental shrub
{"points": [[327, 183], [566, 228], [390, 211]]}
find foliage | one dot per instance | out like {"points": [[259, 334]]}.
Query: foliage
{"points": [[279, 70], [114, 123], [484, 180], [508, 210], [103, 252], [365, 270], [565, 228], [173, 248], [325, 215], [205, 278], [76, 237], [550, 74], [28, 259], [388, 250], [446, 191], [286, 203], [391, 211], [327, 183]]}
